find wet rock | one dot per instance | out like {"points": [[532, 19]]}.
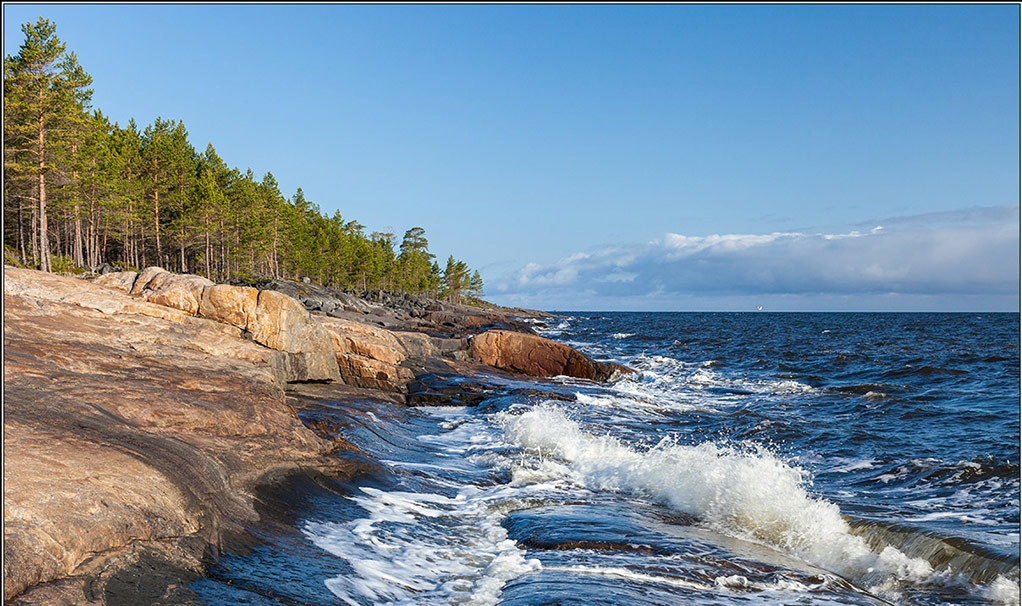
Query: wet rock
{"points": [[606, 371], [433, 389], [531, 392]]}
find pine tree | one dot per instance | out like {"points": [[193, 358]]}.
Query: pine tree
{"points": [[157, 171], [77, 185], [41, 86]]}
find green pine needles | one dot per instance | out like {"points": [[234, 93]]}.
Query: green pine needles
{"points": [[83, 191]]}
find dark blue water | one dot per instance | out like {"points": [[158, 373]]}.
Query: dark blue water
{"points": [[774, 458]]}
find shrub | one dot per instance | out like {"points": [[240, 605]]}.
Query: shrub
{"points": [[11, 257], [62, 264]]}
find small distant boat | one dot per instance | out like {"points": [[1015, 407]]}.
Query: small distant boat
{"points": [[759, 308]]}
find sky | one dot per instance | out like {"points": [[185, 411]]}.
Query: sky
{"points": [[655, 157]]}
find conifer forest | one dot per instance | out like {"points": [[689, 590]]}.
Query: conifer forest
{"points": [[81, 191]]}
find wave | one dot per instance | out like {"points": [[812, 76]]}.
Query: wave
{"points": [[672, 381], [744, 492], [962, 558]]}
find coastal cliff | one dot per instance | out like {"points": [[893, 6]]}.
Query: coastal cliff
{"points": [[142, 412]]}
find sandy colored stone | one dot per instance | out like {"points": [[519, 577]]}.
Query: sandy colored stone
{"points": [[180, 291], [364, 339], [282, 323], [234, 305], [121, 280], [145, 278], [124, 428], [361, 371]]}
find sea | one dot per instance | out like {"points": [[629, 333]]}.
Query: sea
{"points": [[753, 458]]}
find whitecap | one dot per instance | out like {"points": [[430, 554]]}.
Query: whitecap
{"points": [[748, 493]]}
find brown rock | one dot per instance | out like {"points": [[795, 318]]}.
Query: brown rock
{"points": [[234, 305], [533, 355], [121, 280], [365, 340], [365, 372], [368, 356], [123, 429]]}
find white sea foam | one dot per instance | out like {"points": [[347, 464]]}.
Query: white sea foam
{"points": [[423, 548], [416, 548], [622, 335], [1002, 591], [632, 575], [845, 465], [747, 493], [673, 384]]}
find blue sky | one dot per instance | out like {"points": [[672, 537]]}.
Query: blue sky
{"points": [[614, 157]]}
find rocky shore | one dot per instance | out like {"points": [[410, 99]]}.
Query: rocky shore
{"points": [[143, 413]]}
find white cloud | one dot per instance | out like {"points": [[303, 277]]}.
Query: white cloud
{"points": [[909, 257]]}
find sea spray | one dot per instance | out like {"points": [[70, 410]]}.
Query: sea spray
{"points": [[745, 492]]}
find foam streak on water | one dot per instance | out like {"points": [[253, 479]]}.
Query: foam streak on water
{"points": [[416, 548]]}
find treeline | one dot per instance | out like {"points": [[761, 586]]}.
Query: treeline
{"points": [[80, 191]]}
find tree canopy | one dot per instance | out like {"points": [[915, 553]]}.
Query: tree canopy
{"points": [[80, 191]]}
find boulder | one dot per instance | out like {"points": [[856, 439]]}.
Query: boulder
{"points": [[373, 374], [282, 323], [145, 277], [180, 291], [122, 280], [234, 305], [367, 355], [365, 340], [104, 268], [536, 356]]}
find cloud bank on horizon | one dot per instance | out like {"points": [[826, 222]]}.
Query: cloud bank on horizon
{"points": [[955, 260]]}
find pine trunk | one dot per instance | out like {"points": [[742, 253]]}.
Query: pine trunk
{"points": [[21, 230], [156, 213], [35, 235], [181, 193], [223, 252], [44, 241]]}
